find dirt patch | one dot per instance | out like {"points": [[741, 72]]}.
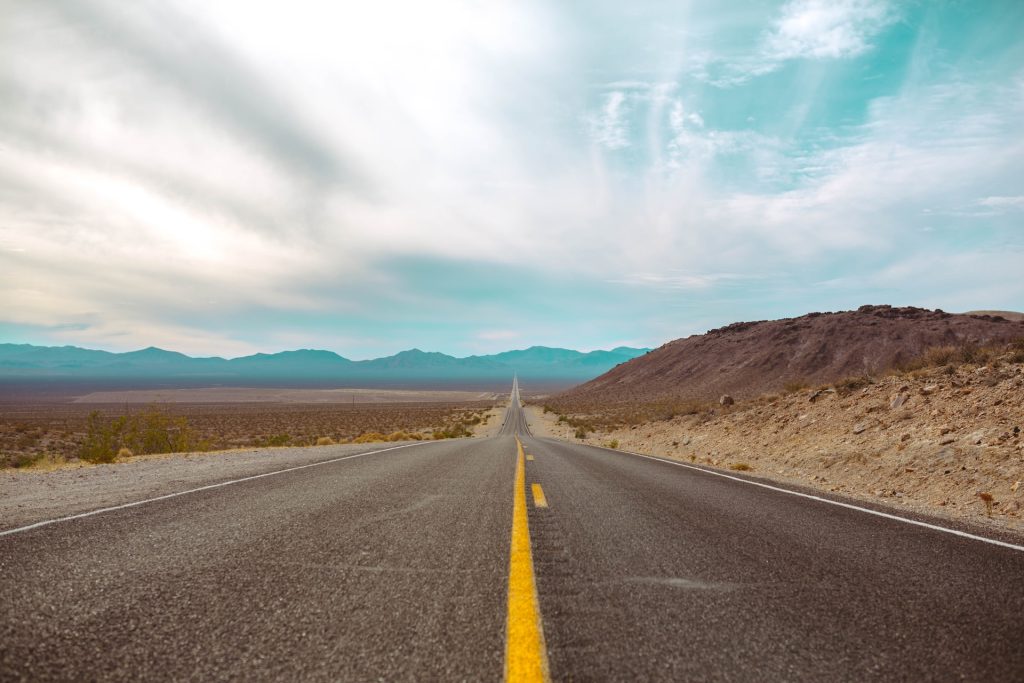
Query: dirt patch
{"points": [[937, 440]]}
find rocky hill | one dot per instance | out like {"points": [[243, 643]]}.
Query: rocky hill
{"points": [[748, 359], [946, 440]]}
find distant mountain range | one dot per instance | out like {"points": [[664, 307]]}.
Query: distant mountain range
{"points": [[26, 362]]}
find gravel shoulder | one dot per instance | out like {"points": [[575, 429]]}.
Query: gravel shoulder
{"points": [[29, 496]]}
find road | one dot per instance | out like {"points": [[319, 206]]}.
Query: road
{"points": [[405, 565]]}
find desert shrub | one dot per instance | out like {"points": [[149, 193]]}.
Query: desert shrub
{"points": [[325, 441], [455, 431], [581, 433], [101, 439], [614, 443], [150, 431], [848, 385], [969, 353], [740, 467], [19, 460], [369, 437], [275, 440]]}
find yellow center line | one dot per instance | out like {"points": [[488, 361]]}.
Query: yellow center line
{"points": [[539, 501], [526, 656]]}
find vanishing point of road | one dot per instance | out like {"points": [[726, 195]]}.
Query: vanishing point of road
{"points": [[508, 557]]}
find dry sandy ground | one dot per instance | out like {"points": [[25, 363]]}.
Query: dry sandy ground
{"points": [[930, 443], [493, 424], [28, 496], [261, 395]]}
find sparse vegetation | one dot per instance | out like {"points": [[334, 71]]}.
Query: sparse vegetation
{"points": [[988, 500], [614, 443], [453, 431], [325, 441], [274, 440], [965, 354], [740, 467], [795, 386], [848, 385], [150, 431], [38, 435]]}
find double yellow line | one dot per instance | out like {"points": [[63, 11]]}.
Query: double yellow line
{"points": [[526, 656]]}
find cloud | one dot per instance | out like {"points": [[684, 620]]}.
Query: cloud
{"points": [[253, 174], [609, 127], [497, 335], [826, 29], [675, 281], [1002, 203], [803, 30]]}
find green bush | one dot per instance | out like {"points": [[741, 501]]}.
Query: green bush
{"points": [[150, 431], [276, 440], [17, 460]]}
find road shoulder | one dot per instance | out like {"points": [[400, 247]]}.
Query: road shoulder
{"points": [[28, 497]]}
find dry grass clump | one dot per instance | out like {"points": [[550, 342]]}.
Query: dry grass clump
{"points": [[325, 441], [23, 460], [740, 467], [453, 431], [795, 386], [848, 385], [370, 437], [965, 354]]}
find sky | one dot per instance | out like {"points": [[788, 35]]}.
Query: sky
{"points": [[469, 177]]}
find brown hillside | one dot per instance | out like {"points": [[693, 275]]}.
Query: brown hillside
{"points": [[1009, 315], [752, 358]]}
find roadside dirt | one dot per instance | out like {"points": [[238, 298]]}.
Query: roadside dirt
{"points": [[28, 496], [939, 441]]}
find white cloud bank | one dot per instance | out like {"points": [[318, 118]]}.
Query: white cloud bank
{"points": [[165, 166]]}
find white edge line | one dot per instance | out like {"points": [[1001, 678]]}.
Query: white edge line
{"points": [[926, 525], [80, 515]]}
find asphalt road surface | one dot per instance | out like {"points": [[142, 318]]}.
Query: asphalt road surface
{"points": [[403, 565]]}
